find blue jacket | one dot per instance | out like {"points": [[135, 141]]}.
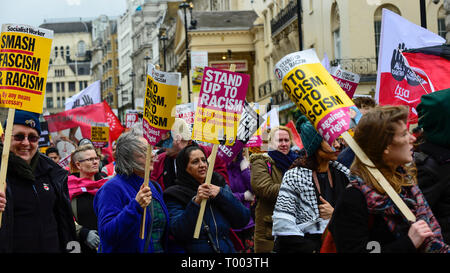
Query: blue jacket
{"points": [[119, 215], [224, 211]]}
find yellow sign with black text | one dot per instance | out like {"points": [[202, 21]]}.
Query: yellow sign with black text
{"points": [[24, 59]]}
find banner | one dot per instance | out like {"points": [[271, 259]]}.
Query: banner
{"points": [[160, 99], [89, 95], [347, 80], [220, 104], [85, 117], [396, 83], [316, 94], [24, 58]]}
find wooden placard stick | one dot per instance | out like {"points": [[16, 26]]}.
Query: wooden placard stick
{"points": [[211, 160], [5, 152], [148, 163], [380, 178]]}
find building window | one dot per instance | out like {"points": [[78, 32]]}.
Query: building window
{"points": [[67, 51], [377, 24], [49, 87], [62, 51], [59, 73], [335, 29], [58, 87], [442, 30], [81, 48], [56, 52], [71, 86], [49, 102]]}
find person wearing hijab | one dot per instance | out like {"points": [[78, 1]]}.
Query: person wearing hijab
{"points": [[223, 211], [267, 170]]}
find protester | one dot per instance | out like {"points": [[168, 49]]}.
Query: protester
{"points": [[164, 165], [222, 212], [364, 104], [37, 217], [120, 203], [82, 188], [53, 153], [365, 213], [103, 160], [267, 171], [433, 156], [308, 194], [239, 175], [108, 170], [164, 143]]}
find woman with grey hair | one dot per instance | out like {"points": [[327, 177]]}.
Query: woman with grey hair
{"points": [[120, 203]]}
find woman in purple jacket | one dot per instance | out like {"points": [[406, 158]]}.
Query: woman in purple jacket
{"points": [[239, 176]]}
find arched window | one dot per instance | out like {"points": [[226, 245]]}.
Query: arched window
{"points": [[67, 51], [56, 52], [377, 23], [81, 48], [336, 31], [442, 31], [62, 51]]}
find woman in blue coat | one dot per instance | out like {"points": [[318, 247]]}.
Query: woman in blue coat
{"points": [[223, 211], [119, 203]]}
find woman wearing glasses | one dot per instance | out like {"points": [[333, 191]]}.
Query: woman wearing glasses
{"points": [[83, 185], [36, 210]]}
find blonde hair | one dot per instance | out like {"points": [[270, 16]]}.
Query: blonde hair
{"points": [[283, 128], [374, 133]]}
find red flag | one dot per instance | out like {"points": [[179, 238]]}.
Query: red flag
{"points": [[297, 140], [432, 64], [85, 117]]}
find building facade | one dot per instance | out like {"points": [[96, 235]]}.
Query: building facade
{"points": [[70, 62], [105, 64]]}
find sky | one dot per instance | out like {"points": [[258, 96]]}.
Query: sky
{"points": [[33, 12]]}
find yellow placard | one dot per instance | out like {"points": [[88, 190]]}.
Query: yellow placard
{"points": [[160, 100], [314, 92], [24, 59], [99, 134]]}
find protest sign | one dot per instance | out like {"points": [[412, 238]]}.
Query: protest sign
{"points": [[132, 117], [327, 107], [220, 105], [160, 99], [398, 84], [44, 138], [24, 58], [316, 94], [347, 80], [100, 135]]}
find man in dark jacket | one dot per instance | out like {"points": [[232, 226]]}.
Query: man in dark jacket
{"points": [[433, 156], [37, 217]]}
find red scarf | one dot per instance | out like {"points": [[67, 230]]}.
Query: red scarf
{"points": [[79, 186]]}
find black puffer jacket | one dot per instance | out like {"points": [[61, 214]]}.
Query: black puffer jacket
{"points": [[433, 175], [31, 193]]}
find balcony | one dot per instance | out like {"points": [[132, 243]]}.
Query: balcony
{"points": [[284, 18], [365, 67]]}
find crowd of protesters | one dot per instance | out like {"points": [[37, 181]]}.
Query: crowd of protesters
{"points": [[284, 200]]}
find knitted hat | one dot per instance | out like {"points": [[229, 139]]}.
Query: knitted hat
{"points": [[28, 119], [310, 138], [434, 117]]}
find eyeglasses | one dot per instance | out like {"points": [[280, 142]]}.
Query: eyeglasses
{"points": [[31, 138], [92, 159]]}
